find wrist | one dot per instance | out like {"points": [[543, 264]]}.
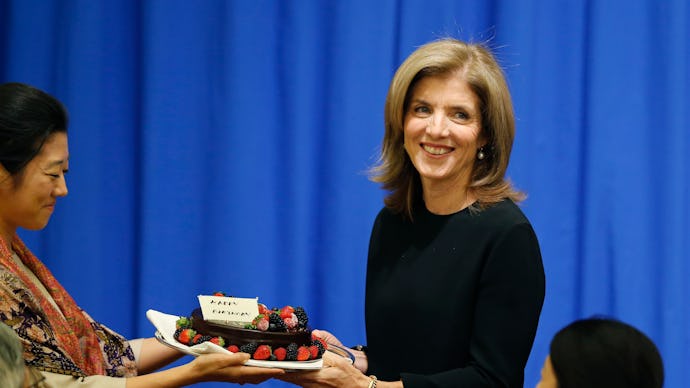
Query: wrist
{"points": [[372, 381]]}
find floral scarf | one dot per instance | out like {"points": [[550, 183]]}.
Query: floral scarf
{"points": [[67, 341]]}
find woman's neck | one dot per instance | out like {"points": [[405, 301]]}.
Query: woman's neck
{"points": [[447, 200], [7, 236]]}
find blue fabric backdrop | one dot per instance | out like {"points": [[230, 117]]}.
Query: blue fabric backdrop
{"points": [[221, 145]]}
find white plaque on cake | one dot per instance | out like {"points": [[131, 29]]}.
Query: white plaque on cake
{"points": [[228, 309]]}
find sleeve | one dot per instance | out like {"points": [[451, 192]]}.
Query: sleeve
{"points": [[66, 381], [135, 344], [508, 304]]}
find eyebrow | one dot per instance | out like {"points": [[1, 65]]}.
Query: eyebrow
{"points": [[56, 163], [455, 107]]}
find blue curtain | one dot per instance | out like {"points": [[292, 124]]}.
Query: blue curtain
{"points": [[223, 145]]}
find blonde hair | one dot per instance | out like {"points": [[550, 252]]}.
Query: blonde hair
{"points": [[480, 69]]}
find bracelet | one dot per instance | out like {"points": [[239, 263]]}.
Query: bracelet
{"points": [[361, 348], [372, 382]]}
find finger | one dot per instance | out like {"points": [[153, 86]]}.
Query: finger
{"points": [[298, 377], [227, 360], [257, 371]]}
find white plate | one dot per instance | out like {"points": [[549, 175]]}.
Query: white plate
{"points": [[165, 330]]}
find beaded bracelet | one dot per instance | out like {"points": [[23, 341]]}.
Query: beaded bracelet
{"points": [[372, 383]]}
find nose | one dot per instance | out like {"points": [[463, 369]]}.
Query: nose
{"points": [[60, 189], [437, 126]]}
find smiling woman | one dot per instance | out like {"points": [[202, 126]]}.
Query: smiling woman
{"points": [[441, 130], [455, 282], [59, 339]]}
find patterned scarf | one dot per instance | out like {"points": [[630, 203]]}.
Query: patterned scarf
{"points": [[66, 341]]}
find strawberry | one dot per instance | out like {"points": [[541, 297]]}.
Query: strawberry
{"points": [[280, 354], [197, 339], [314, 351], [303, 353], [263, 352], [261, 322], [183, 323], [320, 343], [286, 312], [186, 336], [220, 341], [291, 322], [233, 348], [263, 309]]}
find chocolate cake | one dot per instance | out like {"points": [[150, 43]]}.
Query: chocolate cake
{"points": [[241, 336]]}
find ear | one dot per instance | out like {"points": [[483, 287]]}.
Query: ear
{"points": [[4, 173], [6, 179]]}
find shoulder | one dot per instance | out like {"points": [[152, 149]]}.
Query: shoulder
{"points": [[504, 214], [388, 216]]}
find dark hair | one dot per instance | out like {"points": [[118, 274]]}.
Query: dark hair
{"points": [[28, 116], [604, 352]]}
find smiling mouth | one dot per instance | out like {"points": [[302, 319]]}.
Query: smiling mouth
{"points": [[436, 150]]}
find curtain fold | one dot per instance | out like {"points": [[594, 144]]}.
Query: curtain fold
{"points": [[223, 146]]}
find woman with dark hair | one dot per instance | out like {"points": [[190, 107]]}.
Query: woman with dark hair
{"points": [[59, 339], [455, 282], [602, 353]]}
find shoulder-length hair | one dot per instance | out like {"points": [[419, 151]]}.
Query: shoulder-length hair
{"points": [[485, 77]]}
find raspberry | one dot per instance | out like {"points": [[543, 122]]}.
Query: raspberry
{"points": [[263, 352]]}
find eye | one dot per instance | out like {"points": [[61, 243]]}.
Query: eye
{"points": [[461, 115], [422, 110]]}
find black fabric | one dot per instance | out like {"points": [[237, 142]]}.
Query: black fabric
{"points": [[453, 301]]}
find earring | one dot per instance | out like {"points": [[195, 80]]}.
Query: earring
{"points": [[480, 153]]}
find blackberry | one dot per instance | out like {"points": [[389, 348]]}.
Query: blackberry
{"points": [[302, 318], [249, 348], [176, 335], [202, 339], [320, 346], [276, 323], [291, 354]]}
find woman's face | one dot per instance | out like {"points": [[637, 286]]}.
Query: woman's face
{"points": [[441, 129], [28, 200], [548, 378]]}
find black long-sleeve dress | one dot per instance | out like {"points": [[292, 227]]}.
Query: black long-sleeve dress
{"points": [[453, 301]]}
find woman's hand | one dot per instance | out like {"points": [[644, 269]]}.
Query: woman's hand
{"points": [[231, 368], [336, 372], [361, 361], [228, 368]]}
